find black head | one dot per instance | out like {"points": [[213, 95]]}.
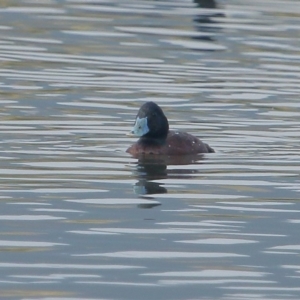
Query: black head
{"points": [[151, 122]]}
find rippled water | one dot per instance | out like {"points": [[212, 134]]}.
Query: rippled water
{"points": [[80, 218]]}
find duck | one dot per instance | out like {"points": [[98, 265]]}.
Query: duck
{"points": [[152, 127]]}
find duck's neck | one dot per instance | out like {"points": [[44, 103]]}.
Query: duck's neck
{"points": [[152, 141]]}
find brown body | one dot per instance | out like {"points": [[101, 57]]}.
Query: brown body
{"points": [[152, 126], [176, 143]]}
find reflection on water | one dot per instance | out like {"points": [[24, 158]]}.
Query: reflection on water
{"points": [[206, 3], [73, 218], [156, 167]]}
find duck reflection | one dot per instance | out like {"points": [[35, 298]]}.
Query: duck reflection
{"points": [[206, 3], [150, 168], [203, 20]]}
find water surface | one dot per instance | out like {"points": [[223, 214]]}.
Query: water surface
{"points": [[80, 218]]}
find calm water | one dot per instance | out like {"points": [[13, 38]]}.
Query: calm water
{"points": [[81, 219]]}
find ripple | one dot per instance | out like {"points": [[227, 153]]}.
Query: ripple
{"points": [[65, 266], [29, 218], [5, 243], [97, 33], [44, 10], [115, 201], [243, 208], [218, 241], [199, 45], [209, 273], [162, 31], [163, 255]]}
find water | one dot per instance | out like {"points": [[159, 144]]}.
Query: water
{"points": [[80, 218]]}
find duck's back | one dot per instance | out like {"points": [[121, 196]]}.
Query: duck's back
{"points": [[184, 143]]}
